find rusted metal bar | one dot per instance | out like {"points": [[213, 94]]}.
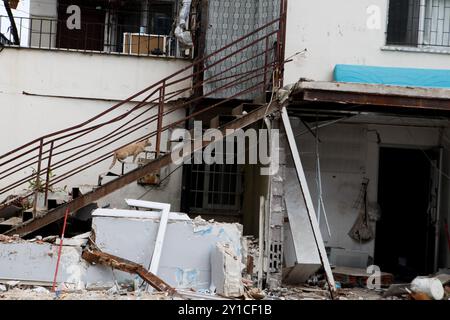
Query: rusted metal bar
{"points": [[107, 155], [207, 80], [86, 131], [266, 58], [109, 260], [236, 82], [160, 119], [155, 118], [116, 119], [366, 99], [152, 86], [37, 183], [47, 178]]}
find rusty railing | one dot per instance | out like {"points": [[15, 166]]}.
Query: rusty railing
{"points": [[53, 158]]}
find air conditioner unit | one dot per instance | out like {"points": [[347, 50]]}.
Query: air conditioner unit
{"points": [[144, 44]]}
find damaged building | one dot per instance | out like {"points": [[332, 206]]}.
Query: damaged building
{"points": [[349, 198]]}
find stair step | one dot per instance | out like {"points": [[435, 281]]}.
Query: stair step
{"points": [[9, 211]]}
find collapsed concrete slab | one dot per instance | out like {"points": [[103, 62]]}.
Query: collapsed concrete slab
{"points": [[31, 262], [130, 234], [186, 255], [300, 250]]}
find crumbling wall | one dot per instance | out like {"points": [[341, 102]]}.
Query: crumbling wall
{"points": [[36, 263]]}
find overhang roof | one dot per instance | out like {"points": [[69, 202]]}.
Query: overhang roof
{"points": [[370, 97]]}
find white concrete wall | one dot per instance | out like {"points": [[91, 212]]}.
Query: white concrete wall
{"points": [[45, 9], [86, 84], [348, 153], [336, 32]]}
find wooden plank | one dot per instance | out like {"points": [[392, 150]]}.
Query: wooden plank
{"points": [[98, 257]]}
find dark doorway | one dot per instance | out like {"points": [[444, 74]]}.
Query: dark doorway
{"points": [[404, 242]]}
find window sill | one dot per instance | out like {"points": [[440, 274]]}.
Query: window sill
{"points": [[416, 49]]}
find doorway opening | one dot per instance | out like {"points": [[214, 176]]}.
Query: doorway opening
{"points": [[407, 195]]}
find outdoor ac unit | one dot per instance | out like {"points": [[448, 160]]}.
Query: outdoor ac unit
{"points": [[144, 44]]}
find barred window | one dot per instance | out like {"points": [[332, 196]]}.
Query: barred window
{"points": [[419, 23]]}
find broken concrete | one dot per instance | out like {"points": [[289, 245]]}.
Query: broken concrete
{"points": [[226, 271], [36, 261], [98, 257], [185, 259], [300, 249]]}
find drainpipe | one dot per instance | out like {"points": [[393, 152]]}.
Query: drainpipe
{"points": [[14, 32]]}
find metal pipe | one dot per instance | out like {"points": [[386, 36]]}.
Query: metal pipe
{"points": [[38, 172]]}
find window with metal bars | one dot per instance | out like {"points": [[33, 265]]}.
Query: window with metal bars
{"points": [[215, 188], [419, 23]]}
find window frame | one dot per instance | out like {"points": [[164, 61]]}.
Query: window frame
{"points": [[421, 33]]}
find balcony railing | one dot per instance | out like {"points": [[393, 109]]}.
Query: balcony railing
{"points": [[110, 38]]}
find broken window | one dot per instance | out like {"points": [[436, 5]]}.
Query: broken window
{"points": [[419, 23]]}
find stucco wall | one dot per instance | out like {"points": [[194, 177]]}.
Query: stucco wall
{"points": [[335, 32], [44, 91]]}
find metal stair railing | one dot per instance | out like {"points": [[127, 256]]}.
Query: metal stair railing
{"points": [[55, 157]]}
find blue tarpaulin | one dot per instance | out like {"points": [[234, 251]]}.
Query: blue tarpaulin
{"points": [[433, 78]]}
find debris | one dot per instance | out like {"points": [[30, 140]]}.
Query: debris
{"points": [[186, 255], [300, 251], [85, 235], [98, 257], [200, 296], [256, 293], [226, 271], [419, 296], [432, 287], [50, 239], [12, 284], [40, 290], [396, 290], [4, 238], [3, 288], [73, 242], [355, 277], [443, 278]]}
